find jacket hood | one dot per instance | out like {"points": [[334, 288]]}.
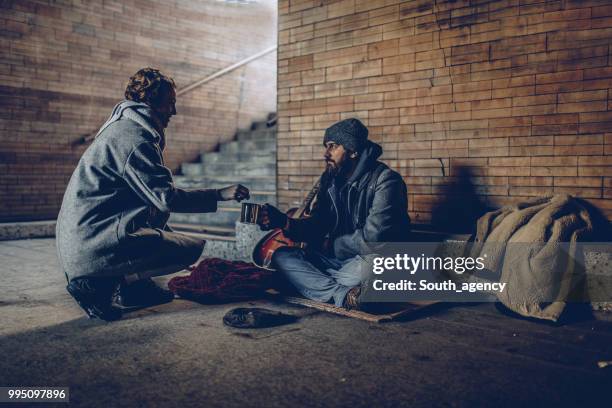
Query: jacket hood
{"points": [[140, 113], [368, 159]]}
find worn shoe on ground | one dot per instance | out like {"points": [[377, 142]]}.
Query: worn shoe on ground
{"points": [[94, 295], [256, 317], [141, 293]]}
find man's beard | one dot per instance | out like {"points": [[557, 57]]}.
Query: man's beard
{"points": [[333, 170]]}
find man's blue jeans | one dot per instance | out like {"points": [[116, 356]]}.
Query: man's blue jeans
{"points": [[317, 276]]}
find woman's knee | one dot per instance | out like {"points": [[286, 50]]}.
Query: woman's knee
{"points": [[183, 249]]}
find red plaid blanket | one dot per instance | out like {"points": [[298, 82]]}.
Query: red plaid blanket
{"points": [[218, 280]]}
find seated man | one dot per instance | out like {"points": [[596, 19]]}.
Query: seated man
{"points": [[361, 202], [111, 230]]}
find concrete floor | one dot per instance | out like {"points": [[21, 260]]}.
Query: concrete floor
{"points": [[181, 354]]}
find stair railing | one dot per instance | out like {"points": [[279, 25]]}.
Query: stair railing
{"points": [[224, 71], [90, 136]]}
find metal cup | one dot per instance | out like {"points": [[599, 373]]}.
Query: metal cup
{"points": [[249, 213]]}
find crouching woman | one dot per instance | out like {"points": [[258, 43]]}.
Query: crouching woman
{"points": [[112, 235]]}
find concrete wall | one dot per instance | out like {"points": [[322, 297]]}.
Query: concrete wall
{"points": [[476, 103], [64, 64]]}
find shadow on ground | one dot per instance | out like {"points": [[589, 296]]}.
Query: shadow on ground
{"points": [[181, 354]]}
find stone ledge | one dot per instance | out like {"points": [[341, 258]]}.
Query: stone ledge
{"points": [[27, 230]]}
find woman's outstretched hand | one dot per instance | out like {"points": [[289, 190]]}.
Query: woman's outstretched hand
{"points": [[236, 192]]}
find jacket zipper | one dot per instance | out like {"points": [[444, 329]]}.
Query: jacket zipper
{"points": [[335, 208], [355, 214], [358, 223]]}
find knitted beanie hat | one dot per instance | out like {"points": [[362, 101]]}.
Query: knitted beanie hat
{"points": [[350, 133]]}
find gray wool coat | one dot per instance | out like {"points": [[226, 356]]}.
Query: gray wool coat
{"points": [[119, 186]]}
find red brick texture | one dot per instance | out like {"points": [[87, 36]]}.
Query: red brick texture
{"points": [[63, 67], [516, 92]]}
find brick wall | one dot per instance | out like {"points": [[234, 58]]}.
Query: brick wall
{"points": [[64, 65], [476, 103]]}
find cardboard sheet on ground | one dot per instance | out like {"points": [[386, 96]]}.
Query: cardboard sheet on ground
{"points": [[400, 311]]}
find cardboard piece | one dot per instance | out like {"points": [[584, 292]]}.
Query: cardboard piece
{"points": [[404, 310]]}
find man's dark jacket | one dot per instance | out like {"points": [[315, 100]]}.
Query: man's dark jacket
{"points": [[376, 209]]}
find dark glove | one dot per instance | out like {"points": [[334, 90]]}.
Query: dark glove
{"points": [[271, 217]]}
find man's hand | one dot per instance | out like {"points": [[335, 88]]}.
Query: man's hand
{"points": [[271, 217], [236, 192]]}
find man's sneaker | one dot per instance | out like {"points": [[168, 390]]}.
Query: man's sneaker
{"points": [[351, 301], [94, 296], [141, 293]]}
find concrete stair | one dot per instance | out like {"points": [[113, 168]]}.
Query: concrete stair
{"points": [[249, 159]]}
